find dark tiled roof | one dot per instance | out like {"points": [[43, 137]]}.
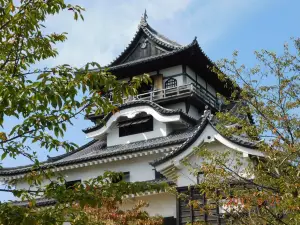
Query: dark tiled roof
{"points": [[152, 35], [155, 106], [99, 150], [154, 57], [243, 141], [40, 202]]}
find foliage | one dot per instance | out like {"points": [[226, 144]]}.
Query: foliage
{"points": [[261, 190], [95, 201], [111, 214], [44, 101]]}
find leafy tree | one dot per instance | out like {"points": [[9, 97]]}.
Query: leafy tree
{"points": [[95, 201], [112, 214], [263, 190], [44, 101]]}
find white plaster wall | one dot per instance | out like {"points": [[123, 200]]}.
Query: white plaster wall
{"points": [[139, 169], [178, 105], [171, 71], [200, 80], [193, 112], [189, 81], [186, 178], [163, 204], [159, 130], [152, 73], [191, 72]]}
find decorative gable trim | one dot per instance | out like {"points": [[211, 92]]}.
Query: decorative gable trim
{"points": [[130, 109], [145, 30], [130, 113], [246, 147]]}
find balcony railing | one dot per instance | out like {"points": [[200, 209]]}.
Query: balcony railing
{"points": [[167, 93]]}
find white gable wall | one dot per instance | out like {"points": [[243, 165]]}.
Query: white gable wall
{"points": [[213, 141], [185, 176], [193, 111], [179, 105]]}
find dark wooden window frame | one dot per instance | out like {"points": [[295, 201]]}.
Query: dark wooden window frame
{"points": [[136, 127], [171, 83], [70, 184], [126, 177], [193, 193], [158, 175]]}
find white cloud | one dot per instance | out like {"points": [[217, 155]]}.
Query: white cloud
{"points": [[110, 25], [107, 28]]}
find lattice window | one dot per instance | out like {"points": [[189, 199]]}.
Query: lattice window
{"points": [[170, 83]]}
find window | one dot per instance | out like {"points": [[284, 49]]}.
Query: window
{"points": [[158, 175], [169, 221], [170, 83], [126, 177], [192, 213], [71, 184], [200, 177], [135, 126]]}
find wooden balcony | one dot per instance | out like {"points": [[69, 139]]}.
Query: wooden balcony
{"points": [[170, 93]]}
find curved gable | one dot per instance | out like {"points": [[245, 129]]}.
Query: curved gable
{"points": [[133, 108]]}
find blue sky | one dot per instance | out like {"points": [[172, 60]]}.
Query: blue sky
{"points": [[221, 26]]}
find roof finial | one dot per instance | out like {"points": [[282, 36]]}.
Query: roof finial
{"points": [[145, 15], [144, 19], [207, 113]]}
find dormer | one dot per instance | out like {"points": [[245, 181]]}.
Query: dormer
{"points": [[139, 121]]}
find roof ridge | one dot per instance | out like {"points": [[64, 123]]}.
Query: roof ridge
{"points": [[150, 33], [171, 139], [55, 158]]}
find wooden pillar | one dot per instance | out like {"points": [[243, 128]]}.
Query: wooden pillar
{"points": [[158, 82]]}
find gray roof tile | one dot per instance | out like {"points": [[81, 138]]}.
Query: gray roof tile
{"points": [[98, 150]]}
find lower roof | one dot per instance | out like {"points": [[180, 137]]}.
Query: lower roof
{"points": [[97, 149]]}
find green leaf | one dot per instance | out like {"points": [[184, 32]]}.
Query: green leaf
{"points": [[3, 156]]}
